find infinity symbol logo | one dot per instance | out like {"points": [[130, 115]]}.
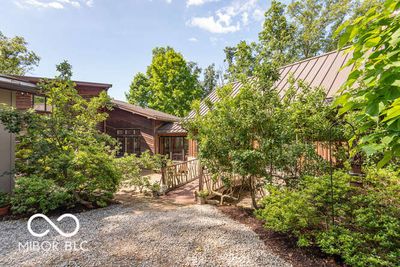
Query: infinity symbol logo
{"points": [[53, 225]]}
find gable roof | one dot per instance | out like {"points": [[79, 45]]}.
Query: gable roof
{"points": [[324, 70], [145, 112], [171, 128]]}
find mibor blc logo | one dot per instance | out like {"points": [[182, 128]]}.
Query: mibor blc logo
{"points": [[53, 245], [55, 227]]}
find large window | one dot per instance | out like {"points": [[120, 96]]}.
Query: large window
{"points": [[129, 141], [40, 103]]}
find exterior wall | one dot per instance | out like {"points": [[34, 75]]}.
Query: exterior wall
{"points": [[120, 119], [193, 149], [23, 100], [7, 146]]}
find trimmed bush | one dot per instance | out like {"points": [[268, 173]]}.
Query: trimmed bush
{"points": [[367, 216], [34, 194]]}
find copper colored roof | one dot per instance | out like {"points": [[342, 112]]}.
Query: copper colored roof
{"points": [[323, 70], [145, 112], [171, 127]]}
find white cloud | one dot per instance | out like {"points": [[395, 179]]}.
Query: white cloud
{"points": [[227, 19], [198, 2], [212, 25], [193, 39], [90, 3], [258, 14], [168, 1], [54, 4], [245, 18]]}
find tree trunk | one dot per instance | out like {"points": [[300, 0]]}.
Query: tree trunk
{"points": [[253, 192]]}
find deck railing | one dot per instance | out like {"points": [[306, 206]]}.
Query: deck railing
{"points": [[178, 174]]}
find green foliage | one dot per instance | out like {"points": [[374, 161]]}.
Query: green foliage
{"points": [[367, 217], [254, 134], [372, 90], [315, 21], [170, 84], [155, 187], [301, 30], [241, 61], [33, 194], [65, 146], [140, 92], [4, 199], [130, 167], [203, 193], [277, 37], [210, 80], [15, 58]]}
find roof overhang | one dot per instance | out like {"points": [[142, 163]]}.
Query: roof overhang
{"points": [[12, 84]]}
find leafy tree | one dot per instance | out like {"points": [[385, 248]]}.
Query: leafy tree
{"points": [[15, 58], [303, 29], [210, 81], [277, 38], [241, 61], [284, 131], [316, 20], [65, 145], [139, 92], [170, 84], [372, 90]]}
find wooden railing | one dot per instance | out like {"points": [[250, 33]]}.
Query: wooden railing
{"points": [[217, 187], [178, 174]]}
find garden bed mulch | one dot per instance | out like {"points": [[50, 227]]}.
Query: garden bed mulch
{"points": [[281, 244]]}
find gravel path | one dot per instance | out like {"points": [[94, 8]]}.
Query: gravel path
{"points": [[127, 236]]}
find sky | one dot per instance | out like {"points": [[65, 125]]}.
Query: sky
{"points": [[110, 41]]}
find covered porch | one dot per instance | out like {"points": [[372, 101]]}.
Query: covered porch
{"points": [[173, 142]]}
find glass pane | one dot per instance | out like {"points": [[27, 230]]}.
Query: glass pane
{"points": [[39, 103], [120, 132], [136, 145], [129, 145]]}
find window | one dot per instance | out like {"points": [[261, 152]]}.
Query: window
{"points": [[40, 103], [129, 141]]}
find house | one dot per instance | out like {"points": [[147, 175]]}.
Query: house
{"points": [[327, 71], [139, 129]]}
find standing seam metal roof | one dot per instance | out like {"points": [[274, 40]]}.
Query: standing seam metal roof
{"points": [[325, 71]]}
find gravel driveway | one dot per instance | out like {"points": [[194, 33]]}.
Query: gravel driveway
{"points": [[129, 236]]}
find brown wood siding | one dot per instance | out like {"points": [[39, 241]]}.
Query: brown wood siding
{"points": [[120, 119], [193, 148], [23, 100]]}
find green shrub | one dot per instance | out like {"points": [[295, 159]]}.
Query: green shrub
{"points": [[95, 177], [33, 194], [367, 216], [129, 167], [4, 199]]}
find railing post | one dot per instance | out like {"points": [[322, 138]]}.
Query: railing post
{"points": [[201, 182], [163, 170]]}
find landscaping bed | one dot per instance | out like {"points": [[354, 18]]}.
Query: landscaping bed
{"points": [[281, 244]]}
